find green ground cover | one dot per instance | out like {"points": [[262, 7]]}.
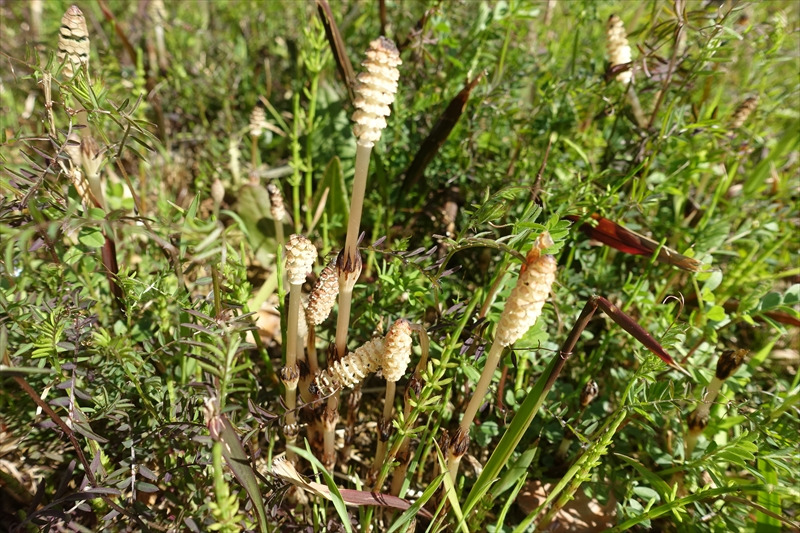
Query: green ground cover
{"points": [[145, 313]]}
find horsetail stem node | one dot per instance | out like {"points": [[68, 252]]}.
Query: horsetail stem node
{"points": [[619, 51], [73, 41], [351, 369], [375, 90]]}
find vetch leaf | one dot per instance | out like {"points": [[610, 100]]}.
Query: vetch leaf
{"points": [[91, 237]]}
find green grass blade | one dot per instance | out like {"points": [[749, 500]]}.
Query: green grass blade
{"points": [[501, 455], [336, 497]]}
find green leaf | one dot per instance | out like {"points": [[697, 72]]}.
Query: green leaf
{"points": [[404, 519], [792, 295], [646, 493], [661, 486], [239, 463], [332, 189], [716, 313], [253, 208], [91, 237], [336, 497]]}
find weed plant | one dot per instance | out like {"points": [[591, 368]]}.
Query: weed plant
{"points": [[142, 333]]}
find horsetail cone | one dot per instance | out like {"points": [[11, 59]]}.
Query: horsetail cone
{"points": [[397, 350], [742, 112], [351, 369], [375, 90], [73, 41], [323, 295], [276, 206], [217, 191], [300, 256], [619, 51], [258, 121], [526, 300]]}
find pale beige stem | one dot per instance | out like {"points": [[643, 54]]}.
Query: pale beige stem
{"points": [[292, 336], [291, 360], [415, 384], [363, 154], [482, 387], [343, 319], [311, 350], [350, 251], [478, 395], [636, 107]]}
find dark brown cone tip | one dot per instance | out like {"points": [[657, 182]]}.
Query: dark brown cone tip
{"points": [[290, 373], [291, 431], [348, 265], [729, 361], [387, 44], [589, 393], [385, 430], [696, 421], [459, 443]]}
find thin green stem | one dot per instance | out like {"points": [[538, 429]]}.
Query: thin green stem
{"points": [[297, 163], [309, 166]]}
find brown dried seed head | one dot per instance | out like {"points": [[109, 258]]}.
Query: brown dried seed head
{"points": [[323, 295], [397, 353], [619, 51], [728, 362], [375, 90], [258, 121], [276, 207], [526, 300], [73, 41], [300, 256], [589, 393], [742, 112]]}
